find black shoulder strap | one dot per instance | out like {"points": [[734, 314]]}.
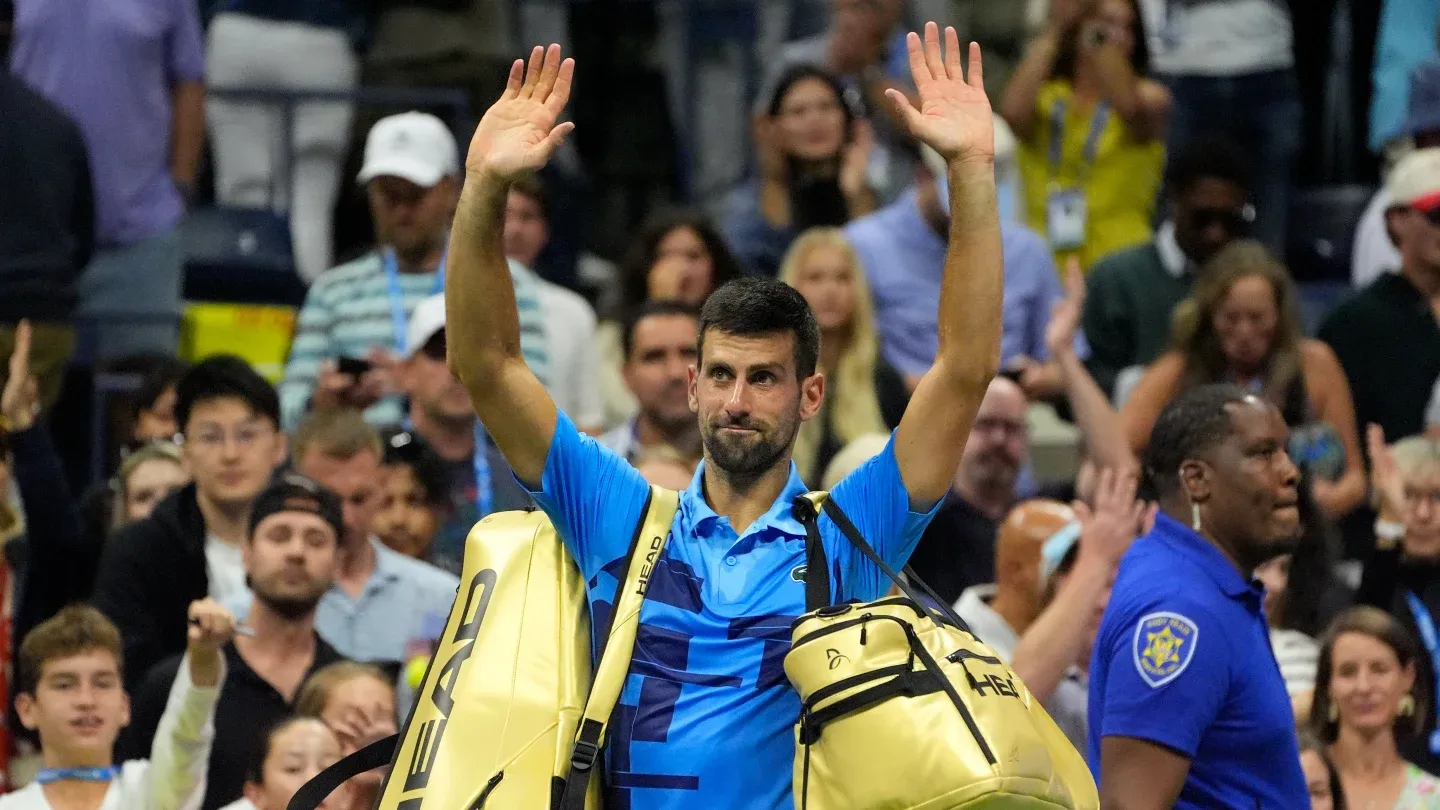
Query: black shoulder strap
{"points": [[375, 755]]}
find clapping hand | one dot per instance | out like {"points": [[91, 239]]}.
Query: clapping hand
{"points": [[1108, 530], [1385, 480], [954, 117], [519, 133], [20, 401]]}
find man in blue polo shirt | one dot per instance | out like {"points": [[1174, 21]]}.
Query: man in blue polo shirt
{"points": [[1187, 706], [706, 718]]}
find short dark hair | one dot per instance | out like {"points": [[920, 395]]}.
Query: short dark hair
{"points": [[1210, 156], [225, 376], [759, 306], [651, 309], [1195, 421], [640, 257], [258, 747], [408, 449], [157, 373], [530, 185]]}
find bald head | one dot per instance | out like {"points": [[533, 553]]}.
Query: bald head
{"points": [[1018, 545], [999, 440]]}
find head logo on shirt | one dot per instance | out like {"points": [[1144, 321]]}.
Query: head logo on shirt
{"points": [[1164, 644]]}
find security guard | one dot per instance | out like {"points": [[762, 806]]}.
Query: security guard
{"points": [[1187, 706]]}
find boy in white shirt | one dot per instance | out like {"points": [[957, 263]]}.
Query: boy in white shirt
{"points": [[70, 691]]}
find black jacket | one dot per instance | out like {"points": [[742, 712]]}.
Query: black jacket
{"points": [[149, 574], [47, 208]]}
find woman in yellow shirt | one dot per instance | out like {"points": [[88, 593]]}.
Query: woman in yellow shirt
{"points": [[1091, 130]]}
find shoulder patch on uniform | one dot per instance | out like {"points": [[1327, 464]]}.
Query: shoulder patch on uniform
{"points": [[1164, 645]]}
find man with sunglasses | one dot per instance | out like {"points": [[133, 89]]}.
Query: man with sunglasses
{"points": [[1131, 293]]}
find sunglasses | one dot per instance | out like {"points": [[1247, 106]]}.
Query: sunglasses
{"points": [[1233, 220]]}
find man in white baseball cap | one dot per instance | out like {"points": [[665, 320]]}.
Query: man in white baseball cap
{"points": [[342, 353]]}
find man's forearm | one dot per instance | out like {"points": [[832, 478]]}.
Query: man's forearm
{"points": [[187, 135], [1097, 420], [974, 284], [1054, 642], [482, 322]]}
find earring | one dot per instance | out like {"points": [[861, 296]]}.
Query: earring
{"points": [[1334, 713], [1407, 705], [1195, 516]]}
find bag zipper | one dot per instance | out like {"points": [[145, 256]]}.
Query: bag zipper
{"points": [[963, 654]]}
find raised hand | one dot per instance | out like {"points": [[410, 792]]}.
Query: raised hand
{"points": [[1065, 315], [20, 401], [1385, 480], [1108, 530], [519, 133], [856, 158], [954, 118], [211, 627]]}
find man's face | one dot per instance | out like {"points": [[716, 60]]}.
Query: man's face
{"points": [[1208, 216], [658, 370], [749, 401], [231, 450], [864, 22], [1417, 235], [433, 387], [356, 480], [78, 708], [526, 231], [405, 520], [1422, 514], [1248, 487], [290, 561], [999, 439], [409, 218]]}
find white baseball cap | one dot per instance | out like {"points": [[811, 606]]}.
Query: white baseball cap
{"points": [[425, 322], [1415, 180], [413, 146]]}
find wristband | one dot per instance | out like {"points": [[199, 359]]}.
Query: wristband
{"points": [[1388, 533]]}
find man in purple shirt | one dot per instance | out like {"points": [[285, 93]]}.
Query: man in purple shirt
{"points": [[131, 75], [902, 247]]}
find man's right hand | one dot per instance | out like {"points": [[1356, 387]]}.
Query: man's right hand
{"points": [[336, 389], [519, 133], [20, 401]]}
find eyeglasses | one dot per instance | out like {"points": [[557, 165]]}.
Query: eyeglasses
{"points": [[212, 440]]}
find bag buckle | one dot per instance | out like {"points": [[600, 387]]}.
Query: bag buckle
{"points": [[584, 757]]}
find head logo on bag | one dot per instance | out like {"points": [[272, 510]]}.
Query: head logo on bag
{"points": [[432, 731]]}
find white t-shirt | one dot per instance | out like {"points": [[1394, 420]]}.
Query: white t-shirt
{"points": [[1374, 254], [225, 567], [174, 776], [1297, 654], [574, 358], [1218, 37]]}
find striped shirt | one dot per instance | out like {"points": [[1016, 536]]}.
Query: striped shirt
{"points": [[347, 313], [1297, 654]]}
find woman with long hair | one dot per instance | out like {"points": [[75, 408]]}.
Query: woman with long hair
{"points": [[1367, 701], [357, 702], [291, 753], [1241, 325], [1091, 128], [677, 255], [813, 152], [146, 476], [863, 394]]}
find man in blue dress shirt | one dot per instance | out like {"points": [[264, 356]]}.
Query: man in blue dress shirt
{"points": [[1187, 706], [706, 717]]}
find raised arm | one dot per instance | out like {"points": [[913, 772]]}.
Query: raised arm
{"points": [[517, 135], [955, 120], [180, 753]]}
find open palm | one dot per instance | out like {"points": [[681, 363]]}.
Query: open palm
{"points": [[954, 118], [518, 134]]}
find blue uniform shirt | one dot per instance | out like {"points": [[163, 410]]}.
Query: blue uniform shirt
{"points": [[1183, 659], [707, 715]]}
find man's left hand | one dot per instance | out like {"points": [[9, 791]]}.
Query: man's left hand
{"points": [[954, 117]]}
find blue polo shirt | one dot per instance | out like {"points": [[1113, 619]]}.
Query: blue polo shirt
{"points": [[1183, 659], [707, 715]]}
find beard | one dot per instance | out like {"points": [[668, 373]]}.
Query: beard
{"points": [[995, 469], [288, 604], [747, 456]]}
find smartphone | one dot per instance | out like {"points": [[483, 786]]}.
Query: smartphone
{"points": [[354, 366]]}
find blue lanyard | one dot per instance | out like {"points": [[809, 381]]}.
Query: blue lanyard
{"points": [[484, 484], [1426, 626], [1092, 138], [106, 774], [399, 319]]}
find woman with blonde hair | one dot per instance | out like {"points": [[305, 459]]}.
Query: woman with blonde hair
{"points": [[357, 702], [863, 394], [1368, 701], [145, 477], [1241, 325]]}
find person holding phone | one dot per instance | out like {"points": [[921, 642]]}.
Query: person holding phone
{"points": [[1091, 129], [814, 147]]}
